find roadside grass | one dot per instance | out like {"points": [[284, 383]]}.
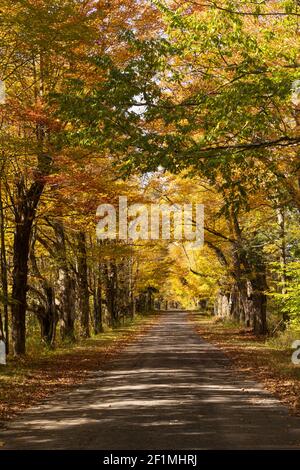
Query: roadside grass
{"points": [[44, 371], [267, 360]]}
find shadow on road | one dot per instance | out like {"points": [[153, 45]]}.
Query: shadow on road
{"points": [[169, 390]]}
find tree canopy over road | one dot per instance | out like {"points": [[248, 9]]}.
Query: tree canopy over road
{"points": [[161, 102]]}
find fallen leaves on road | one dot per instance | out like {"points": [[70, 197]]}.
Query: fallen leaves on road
{"points": [[252, 355], [29, 380]]}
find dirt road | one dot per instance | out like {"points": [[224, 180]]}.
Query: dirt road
{"points": [[169, 390]]}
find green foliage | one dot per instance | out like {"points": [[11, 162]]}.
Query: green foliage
{"points": [[284, 339], [289, 300]]}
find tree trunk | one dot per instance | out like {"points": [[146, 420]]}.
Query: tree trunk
{"points": [[84, 304], [283, 255], [112, 292], [97, 300], [249, 273], [4, 276], [131, 290], [98, 321], [259, 300], [66, 287], [47, 316], [222, 305], [254, 302], [26, 203], [20, 277], [46, 309], [67, 305], [236, 310], [2, 337]]}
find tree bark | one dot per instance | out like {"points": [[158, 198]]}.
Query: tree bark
{"points": [[252, 287], [283, 255], [97, 301], [66, 287], [4, 274], [2, 337], [46, 309], [47, 317], [27, 201], [67, 305], [84, 304], [249, 273], [19, 290], [111, 282], [24, 216]]}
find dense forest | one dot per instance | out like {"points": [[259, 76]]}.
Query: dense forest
{"points": [[160, 102]]}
